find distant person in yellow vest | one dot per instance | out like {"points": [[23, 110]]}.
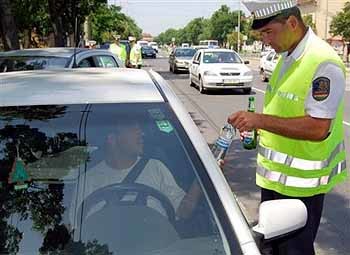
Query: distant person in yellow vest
{"points": [[301, 147], [118, 49], [135, 60], [34, 38]]}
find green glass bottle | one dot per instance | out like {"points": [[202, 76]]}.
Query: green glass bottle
{"points": [[250, 137]]}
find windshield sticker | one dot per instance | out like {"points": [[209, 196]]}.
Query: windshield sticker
{"points": [[164, 126], [156, 114], [18, 174]]}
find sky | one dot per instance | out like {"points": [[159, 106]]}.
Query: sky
{"points": [[156, 16]]}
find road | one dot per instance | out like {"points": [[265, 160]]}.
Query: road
{"points": [[210, 112]]}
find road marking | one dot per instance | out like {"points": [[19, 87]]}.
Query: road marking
{"points": [[261, 91]]}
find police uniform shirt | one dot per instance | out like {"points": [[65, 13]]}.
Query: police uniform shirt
{"points": [[327, 107]]}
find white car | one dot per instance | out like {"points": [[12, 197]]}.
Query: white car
{"points": [[268, 63], [213, 69], [154, 45]]}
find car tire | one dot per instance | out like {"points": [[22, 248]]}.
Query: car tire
{"points": [[201, 86], [170, 69], [175, 69], [247, 90], [263, 76], [191, 81]]}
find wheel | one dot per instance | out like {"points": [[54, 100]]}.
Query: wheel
{"points": [[175, 69], [263, 76], [191, 81], [201, 86], [170, 69], [114, 193], [247, 90]]}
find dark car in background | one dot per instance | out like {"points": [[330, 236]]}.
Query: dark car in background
{"points": [[180, 58], [148, 52], [56, 58]]}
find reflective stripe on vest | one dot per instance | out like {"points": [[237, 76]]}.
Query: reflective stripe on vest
{"points": [[299, 182], [302, 164]]}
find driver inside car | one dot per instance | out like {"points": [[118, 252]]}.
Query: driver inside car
{"points": [[124, 163]]}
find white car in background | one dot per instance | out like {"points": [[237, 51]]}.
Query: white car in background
{"points": [[268, 63], [154, 45], [213, 69]]}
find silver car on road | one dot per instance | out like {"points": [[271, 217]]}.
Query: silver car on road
{"points": [[100, 161]]}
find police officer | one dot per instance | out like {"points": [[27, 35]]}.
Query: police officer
{"points": [[118, 49], [301, 148], [135, 54]]}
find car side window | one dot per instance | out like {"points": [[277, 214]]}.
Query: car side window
{"points": [[269, 57], [87, 62], [199, 57], [106, 61]]}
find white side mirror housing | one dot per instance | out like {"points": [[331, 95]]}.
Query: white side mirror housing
{"points": [[279, 217]]}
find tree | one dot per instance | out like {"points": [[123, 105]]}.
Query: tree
{"points": [[109, 19], [193, 29], [222, 23], [309, 22], [340, 25], [8, 28]]}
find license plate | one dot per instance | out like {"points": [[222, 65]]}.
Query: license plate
{"points": [[229, 81]]}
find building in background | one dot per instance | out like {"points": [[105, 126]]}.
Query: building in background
{"points": [[322, 12]]}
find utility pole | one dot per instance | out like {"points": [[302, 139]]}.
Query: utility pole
{"points": [[239, 25]]}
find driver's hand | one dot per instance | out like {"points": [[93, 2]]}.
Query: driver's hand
{"points": [[221, 163]]}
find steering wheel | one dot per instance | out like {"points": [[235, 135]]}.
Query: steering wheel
{"points": [[115, 192]]}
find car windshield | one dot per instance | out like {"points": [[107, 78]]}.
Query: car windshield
{"points": [[10, 64], [221, 57], [147, 48], [112, 178], [185, 52]]}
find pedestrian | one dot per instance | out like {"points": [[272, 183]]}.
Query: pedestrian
{"points": [[118, 48], [301, 150], [135, 54]]}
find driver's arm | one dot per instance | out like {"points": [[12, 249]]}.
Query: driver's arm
{"points": [[189, 201]]}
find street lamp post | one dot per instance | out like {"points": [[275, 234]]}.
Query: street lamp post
{"points": [[239, 25]]}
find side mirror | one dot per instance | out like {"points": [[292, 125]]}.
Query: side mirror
{"points": [[279, 217], [195, 62], [246, 62]]}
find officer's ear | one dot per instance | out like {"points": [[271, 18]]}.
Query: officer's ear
{"points": [[292, 23]]}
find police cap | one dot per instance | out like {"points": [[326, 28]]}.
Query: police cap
{"points": [[265, 11]]}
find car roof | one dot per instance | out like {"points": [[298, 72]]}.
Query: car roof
{"points": [[77, 86], [45, 52], [216, 50]]}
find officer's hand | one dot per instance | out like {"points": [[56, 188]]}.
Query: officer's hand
{"points": [[244, 121]]}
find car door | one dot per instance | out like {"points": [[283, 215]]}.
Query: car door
{"points": [[195, 66]]}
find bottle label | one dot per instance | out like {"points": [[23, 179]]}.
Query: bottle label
{"points": [[223, 143], [248, 137]]}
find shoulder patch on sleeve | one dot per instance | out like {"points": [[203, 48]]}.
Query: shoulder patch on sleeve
{"points": [[320, 88]]}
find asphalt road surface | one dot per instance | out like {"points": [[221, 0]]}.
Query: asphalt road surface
{"points": [[210, 112]]}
